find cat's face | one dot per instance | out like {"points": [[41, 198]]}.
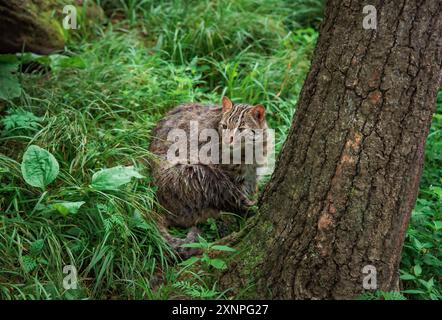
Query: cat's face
{"points": [[241, 122]]}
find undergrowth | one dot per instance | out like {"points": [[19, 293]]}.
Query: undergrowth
{"points": [[93, 108]]}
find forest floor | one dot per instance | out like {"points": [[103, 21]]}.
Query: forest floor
{"points": [[93, 107]]}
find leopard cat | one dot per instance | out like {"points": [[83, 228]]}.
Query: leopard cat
{"points": [[193, 191]]}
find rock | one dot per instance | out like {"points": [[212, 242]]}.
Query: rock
{"points": [[28, 25], [36, 25]]}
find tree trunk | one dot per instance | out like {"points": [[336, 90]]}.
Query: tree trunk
{"points": [[347, 177]]}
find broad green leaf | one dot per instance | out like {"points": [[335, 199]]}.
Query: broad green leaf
{"points": [[9, 84], [223, 248], [218, 263], [417, 270], [28, 57], [39, 167], [413, 291], [433, 296], [438, 225], [113, 178], [204, 242], [36, 247], [193, 245], [436, 191], [428, 284], [407, 276], [68, 207], [190, 261], [417, 244], [58, 62]]}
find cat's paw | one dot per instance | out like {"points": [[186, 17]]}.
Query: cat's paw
{"points": [[192, 235], [246, 206], [250, 203]]}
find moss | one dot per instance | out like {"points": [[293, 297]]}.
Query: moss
{"points": [[245, 267], [33, 24], [53, 28], [38, 24]]}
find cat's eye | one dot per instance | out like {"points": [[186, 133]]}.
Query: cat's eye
{"points": [[241, 130], [224, 126]]}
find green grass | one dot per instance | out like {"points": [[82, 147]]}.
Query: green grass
{"points": [[421, 265], [96, 109]]}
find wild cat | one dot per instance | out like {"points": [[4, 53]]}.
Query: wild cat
{"points": [[192, 190]]}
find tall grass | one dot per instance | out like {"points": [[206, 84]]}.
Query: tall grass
{"points": [[98, 112]]}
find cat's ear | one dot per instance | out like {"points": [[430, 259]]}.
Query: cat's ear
{"points": [[259, 112], [227, 104]]}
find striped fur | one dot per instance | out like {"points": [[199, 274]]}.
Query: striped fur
{"points": [[191, 193]]}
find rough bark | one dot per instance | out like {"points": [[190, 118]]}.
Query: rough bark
{"points": [[347, 177]]}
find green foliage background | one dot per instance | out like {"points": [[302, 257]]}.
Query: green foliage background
{"points": [[94, 106]]}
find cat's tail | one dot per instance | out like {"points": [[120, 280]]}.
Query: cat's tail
{"points": [[176, 243]]}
